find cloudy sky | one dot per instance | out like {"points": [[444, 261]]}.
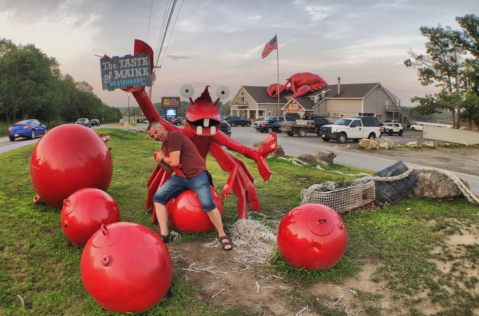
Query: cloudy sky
{"points": [[219, 42]]}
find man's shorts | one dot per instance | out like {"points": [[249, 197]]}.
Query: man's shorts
{"points": [[176, 184]]}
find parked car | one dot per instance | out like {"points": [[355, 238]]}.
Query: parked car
{"points": [[393, 128], [238, 120], [95, 122], [83, 121], [354, 128], [272, 123], [225, 127], [28, 128], [417, 127], [178, 121]]}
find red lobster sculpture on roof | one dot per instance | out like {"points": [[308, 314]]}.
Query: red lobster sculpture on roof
{"points": [[300, 83], [202, 126]]}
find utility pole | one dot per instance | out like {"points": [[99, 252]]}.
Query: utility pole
{"points": [[129, 120]]}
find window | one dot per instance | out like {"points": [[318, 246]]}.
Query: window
{"points": [[270, 113], [242, 98]]}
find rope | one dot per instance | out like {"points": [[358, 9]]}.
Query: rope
{"points": [[320, 187]]}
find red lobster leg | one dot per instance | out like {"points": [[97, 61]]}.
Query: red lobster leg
{"points": [[240, 181], [257, 154]]}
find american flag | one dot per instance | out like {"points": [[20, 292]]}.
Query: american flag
{"points": [[269, 47]]}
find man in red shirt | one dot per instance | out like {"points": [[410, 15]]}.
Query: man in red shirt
{"points": [[180, 155]]}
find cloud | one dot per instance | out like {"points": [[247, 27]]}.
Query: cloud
{"points": [[316, 12], [177, 57]]}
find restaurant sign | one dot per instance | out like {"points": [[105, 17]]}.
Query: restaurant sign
{"points": [[125, 72], [170, 102]]}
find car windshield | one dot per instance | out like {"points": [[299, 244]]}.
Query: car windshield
{"points": [[82, 120], [24, 122], [343, 122]]}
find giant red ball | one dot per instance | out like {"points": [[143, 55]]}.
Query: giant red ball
{"points": [[68, 158], [85, 211], [312, 236], [126, 267], [186, 214]]}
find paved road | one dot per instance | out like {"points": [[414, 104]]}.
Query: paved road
{"points": [[296, 146]]}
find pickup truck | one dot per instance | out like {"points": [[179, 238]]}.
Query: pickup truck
{"points": [[311, 124], [272, 123], [354, 128]]}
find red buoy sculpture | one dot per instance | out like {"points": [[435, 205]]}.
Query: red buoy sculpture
{"points": [[126, 267], [186, 215], [312, 236], [85, 211], [68, 158]]}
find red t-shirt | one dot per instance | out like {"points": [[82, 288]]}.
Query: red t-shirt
{"points": [[190, 159]]}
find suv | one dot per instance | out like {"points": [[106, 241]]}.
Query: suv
{"points": [[393, 128], [354, 128], [83, 121], [178, 121], [238, 120], [225, 127], [95, 122], [272, 123]]}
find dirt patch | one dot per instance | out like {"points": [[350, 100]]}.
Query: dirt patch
{"points": [[224, 280], [464, 160]]}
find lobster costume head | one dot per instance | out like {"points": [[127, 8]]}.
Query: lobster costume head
{"points": [[203, 116]]}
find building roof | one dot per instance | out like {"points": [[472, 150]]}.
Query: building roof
{"points": [[354, 90], [260, 95]]}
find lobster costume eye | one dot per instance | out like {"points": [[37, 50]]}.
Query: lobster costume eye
{"points": [[187, 91], [222, 92]]}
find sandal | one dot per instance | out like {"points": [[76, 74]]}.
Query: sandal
{"points": [[166, 239], [228, 243]]}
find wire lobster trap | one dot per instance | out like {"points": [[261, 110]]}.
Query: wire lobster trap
{"points": [[397, 181], [341, 199]]}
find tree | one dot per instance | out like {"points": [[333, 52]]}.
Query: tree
{"points": [[26, 77], [443, 66]]}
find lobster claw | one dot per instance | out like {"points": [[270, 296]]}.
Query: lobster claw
{"points": [[273, 90], [303, 90]]}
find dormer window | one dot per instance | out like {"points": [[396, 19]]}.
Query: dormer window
{"points": [[242, 98]]}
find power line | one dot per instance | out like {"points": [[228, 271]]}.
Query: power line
{"points": [[149, 20], [171, 33], [166, 32]]}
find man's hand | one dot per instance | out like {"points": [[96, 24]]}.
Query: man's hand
{"points": [[159, 155]]}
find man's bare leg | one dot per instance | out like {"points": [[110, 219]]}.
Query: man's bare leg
{"points": [[215, 218], [162, 217]]}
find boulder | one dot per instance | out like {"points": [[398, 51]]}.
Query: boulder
{"points": [[434, 185], [446, 145], [325, 158], [386, 143], [429, 144], [412, 144], [279, 152], [368, 144]]}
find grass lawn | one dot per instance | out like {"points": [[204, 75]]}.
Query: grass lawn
{"points": [[407, 241]]}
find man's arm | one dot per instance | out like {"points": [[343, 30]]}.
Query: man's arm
{"points": [[160, 159], [173, 159]]}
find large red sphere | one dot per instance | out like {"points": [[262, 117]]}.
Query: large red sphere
{"points": [[68, 158], [126, 267], [186, 214], [312, 236], [85, 211]]}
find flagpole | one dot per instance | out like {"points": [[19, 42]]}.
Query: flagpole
{"points": [[277, 63]]}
